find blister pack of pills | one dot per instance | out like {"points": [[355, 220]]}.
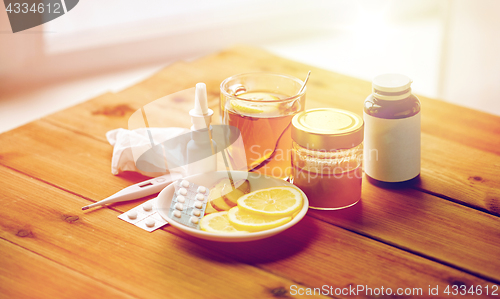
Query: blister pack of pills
{"points": [[144, 216], [188, 203]]}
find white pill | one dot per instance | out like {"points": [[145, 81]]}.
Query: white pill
{"points": [[202, 189], [185, 184], [183, 191], [148, 206], [150, 222], [195, 220], [181, 199], [197, 213], [177, 214], [132, 214], [198, 204], [179, 206], [200, 197]]}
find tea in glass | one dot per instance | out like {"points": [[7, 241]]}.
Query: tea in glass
{"points": [[261, 106]]}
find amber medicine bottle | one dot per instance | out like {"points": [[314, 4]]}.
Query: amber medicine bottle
{"points": [[392, 130]]}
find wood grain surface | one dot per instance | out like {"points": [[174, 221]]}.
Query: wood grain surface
{"points": [[443, 231]]}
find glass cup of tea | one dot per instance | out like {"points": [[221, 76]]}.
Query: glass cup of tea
{"points": [[261, 105]]}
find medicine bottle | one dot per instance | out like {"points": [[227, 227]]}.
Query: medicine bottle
{"points": [[327, 151], [392, 131]]}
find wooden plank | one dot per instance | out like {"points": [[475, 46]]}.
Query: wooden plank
{"points": [[35, 160], [76, 162], [426, 225], [97, 116], [100, 246], [48, 221], [25, 274], [467, 138], [462, 173], [110, 111], [445, 120], [330, 256]]}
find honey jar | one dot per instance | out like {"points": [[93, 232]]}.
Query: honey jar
{"points": [[327, 155]]}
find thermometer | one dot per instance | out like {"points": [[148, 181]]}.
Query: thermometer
{"points": [[139, 190]]}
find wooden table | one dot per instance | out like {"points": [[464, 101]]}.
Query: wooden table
{"points": [[445, 231]]}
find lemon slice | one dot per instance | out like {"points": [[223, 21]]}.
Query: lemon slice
{"points": [[258, 96], [250, 108], [243, 108], [253, 222], [275, 201], [218, 223]]}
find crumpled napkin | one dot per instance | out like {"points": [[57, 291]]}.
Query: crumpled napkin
{"points": [[129, 147]]}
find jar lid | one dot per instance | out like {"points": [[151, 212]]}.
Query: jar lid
{"points": [[327, 129]]}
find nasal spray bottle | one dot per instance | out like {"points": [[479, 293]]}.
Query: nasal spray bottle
{"points": [[201, 150]]}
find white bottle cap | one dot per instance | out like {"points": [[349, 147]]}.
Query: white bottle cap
{"points": [[391, 83], [391, 87]]}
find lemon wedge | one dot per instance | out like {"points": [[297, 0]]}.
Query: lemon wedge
{"points": [[274, 202], [218, 223], [253, 222]]}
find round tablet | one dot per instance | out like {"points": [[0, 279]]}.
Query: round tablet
{"points": [[202, 189], [183, 191], [198, 204], [185, 183], [148, 206], [200, 197], [150, 222], [179, 206], [177, 214], [197, 213], [195, 220], [132, 214], [181, 198]]}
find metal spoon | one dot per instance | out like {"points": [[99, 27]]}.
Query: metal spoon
{"points": [[264, 162]]}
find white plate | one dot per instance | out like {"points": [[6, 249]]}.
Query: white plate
{"points": [[209, 179]]}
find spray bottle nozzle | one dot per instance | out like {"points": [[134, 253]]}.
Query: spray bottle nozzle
{"points": [[201, 115], [200, 99]]}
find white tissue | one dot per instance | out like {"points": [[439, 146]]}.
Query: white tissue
{"points": [[129, 145]]}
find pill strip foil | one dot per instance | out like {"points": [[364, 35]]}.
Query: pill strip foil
{"points": [[143, 216], [187, 214]]}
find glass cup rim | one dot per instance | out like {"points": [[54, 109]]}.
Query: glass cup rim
{"points": [[222, 89]]}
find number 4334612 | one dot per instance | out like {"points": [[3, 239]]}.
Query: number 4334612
{"points": [[34, 8], [472, 290]]}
